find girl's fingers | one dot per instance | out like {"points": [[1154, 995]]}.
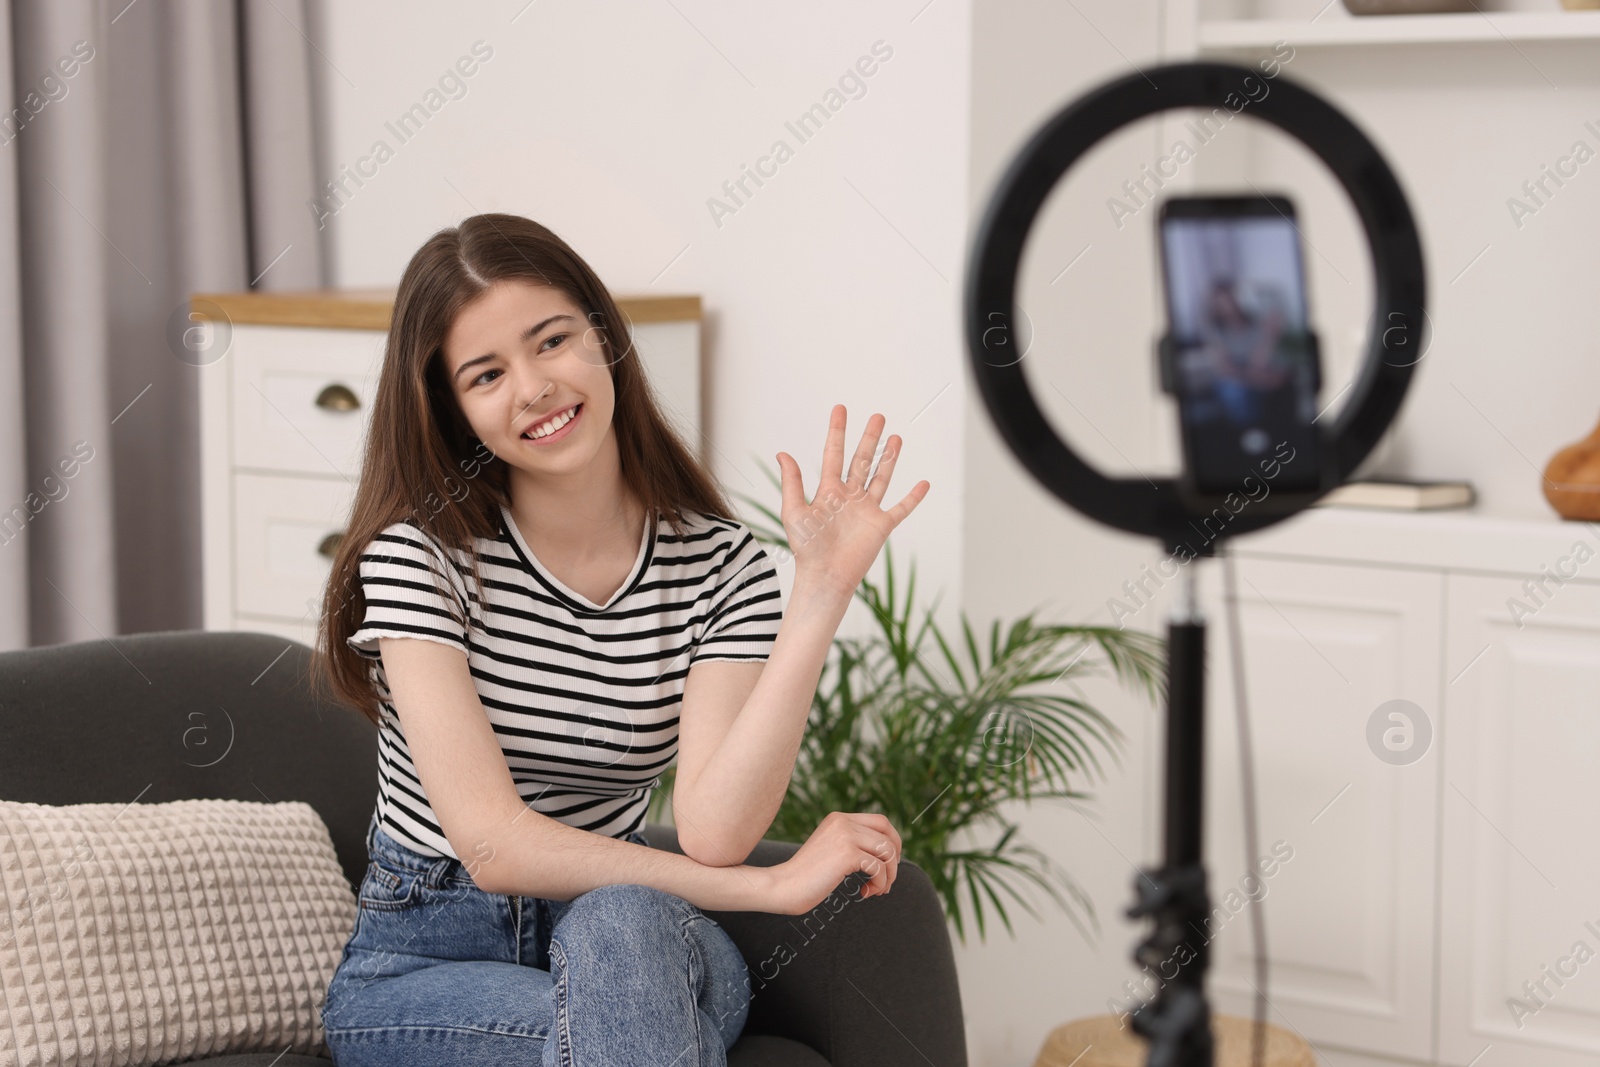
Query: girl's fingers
{"points": [[794, 490], [881, 823], [866, 861], [883, 871], [887, 854], [883, 880], [880, 477], [909, 502], [888, 849], [833, 447], [879, 882], [861, 463]]}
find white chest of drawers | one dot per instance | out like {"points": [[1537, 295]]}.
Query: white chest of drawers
{"points": [[286, 382]]}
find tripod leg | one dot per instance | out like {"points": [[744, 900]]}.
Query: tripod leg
{"points": [[1177, 1021]]}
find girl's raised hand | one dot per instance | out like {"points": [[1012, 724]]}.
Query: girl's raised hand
{"points": [[837, 536]]}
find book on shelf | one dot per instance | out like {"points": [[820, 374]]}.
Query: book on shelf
{"points": [[1400, 494]]}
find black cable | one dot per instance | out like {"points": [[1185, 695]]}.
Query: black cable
{"points": [[1258, 923]]}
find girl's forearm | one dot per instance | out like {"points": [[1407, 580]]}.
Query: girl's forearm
{"points": [[744, 781], [530, 854]]}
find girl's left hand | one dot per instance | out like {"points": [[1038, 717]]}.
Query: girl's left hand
{"points": [[837, 536]]}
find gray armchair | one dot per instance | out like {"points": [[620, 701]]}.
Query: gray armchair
{"points": [[113, 720]]}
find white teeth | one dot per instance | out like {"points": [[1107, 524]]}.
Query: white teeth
{"points": [[548, 428]]}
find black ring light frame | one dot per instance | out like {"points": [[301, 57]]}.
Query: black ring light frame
{"points": [[1129, 503], [1177, 1020]]}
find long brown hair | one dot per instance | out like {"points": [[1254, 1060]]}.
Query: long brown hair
{"points": [[422, 463]]}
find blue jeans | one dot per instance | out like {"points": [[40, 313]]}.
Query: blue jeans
{"points": [[439, 972]]}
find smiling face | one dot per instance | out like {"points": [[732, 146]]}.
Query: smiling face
{"points": [[521, 354]]}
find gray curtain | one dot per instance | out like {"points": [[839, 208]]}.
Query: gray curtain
{"points": [[147, 150]]}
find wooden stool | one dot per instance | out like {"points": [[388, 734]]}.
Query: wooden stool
{"points": [[1104, 1041]]}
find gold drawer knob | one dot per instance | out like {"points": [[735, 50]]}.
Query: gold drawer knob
{"points": [[338, 398], [330, 544]]}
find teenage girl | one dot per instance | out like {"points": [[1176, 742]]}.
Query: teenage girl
{"points": [[542, 600]]}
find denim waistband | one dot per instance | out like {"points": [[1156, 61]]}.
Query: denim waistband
{"points": [[435, 869]]}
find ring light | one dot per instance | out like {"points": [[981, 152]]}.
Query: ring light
{"points": [[1398, 320]]}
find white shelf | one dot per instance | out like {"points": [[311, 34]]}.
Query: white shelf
{"points": [[1229, 34]]}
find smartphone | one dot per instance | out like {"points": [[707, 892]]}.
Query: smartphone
{"points": [[1239, 355]]}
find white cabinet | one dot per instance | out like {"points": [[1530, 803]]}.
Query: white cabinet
{"points": [[1350, 912], [1426, 888], [1521, 815], [283, 418]]}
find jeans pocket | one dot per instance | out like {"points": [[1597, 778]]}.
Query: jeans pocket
{"points": [[388, 888]]}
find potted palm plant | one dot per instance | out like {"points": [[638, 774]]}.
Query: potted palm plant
{"points": [[938, 739]]}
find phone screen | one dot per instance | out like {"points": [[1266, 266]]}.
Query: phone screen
{"points": [[1244, 369]]}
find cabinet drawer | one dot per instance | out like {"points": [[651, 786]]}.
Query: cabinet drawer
{"points": [[280, 522], [302, 397]]}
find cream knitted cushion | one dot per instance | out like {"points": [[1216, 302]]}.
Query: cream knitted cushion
{"points": [[135, 934]]}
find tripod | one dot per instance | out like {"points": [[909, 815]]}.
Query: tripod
{"points": [[1177, 1021]]}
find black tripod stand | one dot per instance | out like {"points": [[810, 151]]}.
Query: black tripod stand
{"points": [[1177, 1022]]}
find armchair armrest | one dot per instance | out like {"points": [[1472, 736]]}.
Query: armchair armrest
{"points": [[866, 983]]}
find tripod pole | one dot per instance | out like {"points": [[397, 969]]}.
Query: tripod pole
{"points": [[1177, 1021]]}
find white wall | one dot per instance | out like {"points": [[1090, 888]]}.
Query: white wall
{"points": [[614, 124]]}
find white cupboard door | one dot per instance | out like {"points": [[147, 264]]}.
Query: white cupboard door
{"points": [[1347, 837], [302, 397], [1520, 922]]}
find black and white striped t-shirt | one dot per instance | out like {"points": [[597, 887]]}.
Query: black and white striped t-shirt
{"points": [[583, 697]]}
